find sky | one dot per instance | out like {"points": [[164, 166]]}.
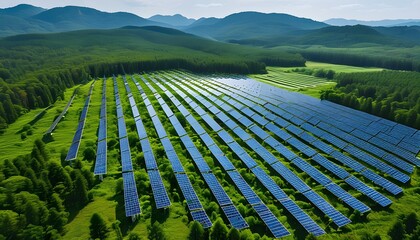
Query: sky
{"points": [[318, 10]]}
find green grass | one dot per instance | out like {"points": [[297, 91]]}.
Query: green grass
{"points": [[339, 68]]}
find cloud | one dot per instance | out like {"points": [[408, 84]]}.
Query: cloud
{"points": [[209, 5]]}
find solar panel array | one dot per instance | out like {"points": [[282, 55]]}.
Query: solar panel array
{"points": [[233, 215], [131, 198], [101, 150], [159, 192], [274, 225], [74, 148], [295, 181], [324, 147]]}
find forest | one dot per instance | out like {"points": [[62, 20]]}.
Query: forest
{"points": [[35, 69], [394, 95]]}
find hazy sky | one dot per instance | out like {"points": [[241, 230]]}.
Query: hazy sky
{"points": [[318, 10]]}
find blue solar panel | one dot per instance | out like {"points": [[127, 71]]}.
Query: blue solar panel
{"points": [[72, 153], [131, 198], [151, 110], [259, 132], [285, 152], [122, 131], [161, 132], [307, 137], [188, 191], [150, 160], [126, 161], [269, 183], [377, 197], [348, 161], [339, 172], [102, 129], [100, 163], [278, 132], [295, 130], [217, 189], [303, 218], [119, 112], [383, 182], [234, 217], [323, 147], [159, 192], [236, 148], [245, 121], [210, 121], [222, 116], [141, 131], [290, 177], [225, 136], [245, 189], [273, 224], [266, 155], [311, 171], [241, 134], [347, 198], [201, 217], [338, 218], [247, 111]]}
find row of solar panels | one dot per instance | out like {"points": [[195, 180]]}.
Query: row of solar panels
{"points": [[324, 147], [233, 215], [159, 192], [296, 182], [58, 119], [131, 198], [74, 148], [302, 217], [101, 150]]}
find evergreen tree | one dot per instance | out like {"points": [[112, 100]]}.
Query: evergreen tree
{"points": [[219, 230], [156, 232], [397, 231], [196, 231], [98, 228], [410, 222], [233, 234]]}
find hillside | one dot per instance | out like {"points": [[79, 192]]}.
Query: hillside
{"points": [[28, 19], [176, 20], [378, 23], [246, 25], [50, 63]]}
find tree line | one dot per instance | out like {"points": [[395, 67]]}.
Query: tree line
{"points": [[359, 60], [394, 95], [37, 195]]}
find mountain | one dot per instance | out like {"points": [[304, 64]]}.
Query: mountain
{"points": [[379, 23], [19, 20], [76, 18], [246, 25], [176, 20], [22, 10]]}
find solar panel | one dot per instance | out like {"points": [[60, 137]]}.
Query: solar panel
{"points": [[241, 134], [100, 163], [245, 189], [159, 193], [131, 199], [347, 198], [383, 182], [269, 183], [339, 172], [225, 136], [188, 191], [311, 171], [290, 177], [217, 189], [201, 217], [126, 161], [72, 153], [161, 132], [303, 218], [377, 197], [234, 217], [141, 131], [210, 121], [236, 148], [270, 220], [259, 132]]}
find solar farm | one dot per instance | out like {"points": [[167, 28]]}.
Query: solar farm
{"points": [[295, 163]]}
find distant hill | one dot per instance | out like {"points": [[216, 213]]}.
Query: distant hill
{"points": [[379, 23], [176, 20], [247, 25], [19, 20], [22, 10]]}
